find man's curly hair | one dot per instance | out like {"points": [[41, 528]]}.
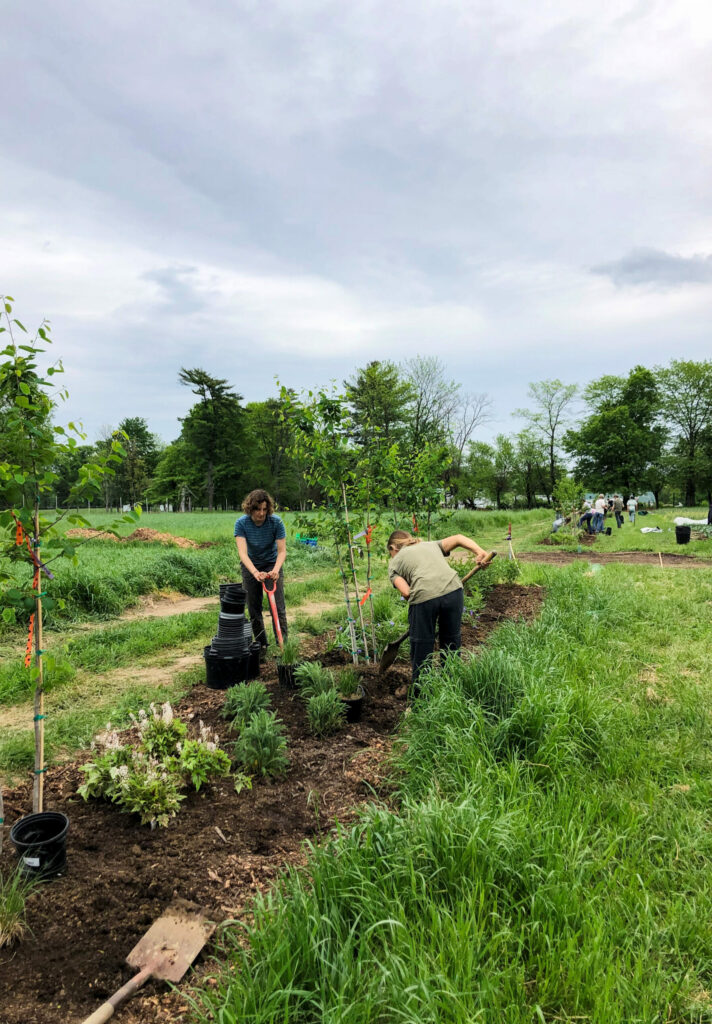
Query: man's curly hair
{"points": [[255, 498]]}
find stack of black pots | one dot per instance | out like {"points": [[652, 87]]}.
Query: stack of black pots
{"points": [[232, 657]]}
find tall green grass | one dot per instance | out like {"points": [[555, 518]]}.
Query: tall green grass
{"points": [[548, 858]]}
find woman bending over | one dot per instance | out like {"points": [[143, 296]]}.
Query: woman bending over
{"points": [[419, 570]]}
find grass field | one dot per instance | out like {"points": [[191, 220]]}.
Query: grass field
{"points": [[545, 856]]}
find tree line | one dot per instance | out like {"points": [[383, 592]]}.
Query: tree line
{"points": [[650, 430]]}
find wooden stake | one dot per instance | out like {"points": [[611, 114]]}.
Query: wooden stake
{"points": [[38, 781], [353, 573], [661, 559], [347, 598]]}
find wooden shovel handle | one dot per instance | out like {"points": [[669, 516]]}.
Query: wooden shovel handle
{"points": [[477, 568], [106, 1010]]}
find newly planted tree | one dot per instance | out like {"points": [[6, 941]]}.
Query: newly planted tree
{"points": [[29, 538]]}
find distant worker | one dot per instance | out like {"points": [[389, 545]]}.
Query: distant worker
{"points": [[599, 511], [419, 570], [618, 509], [261, 542], [632, 506]]}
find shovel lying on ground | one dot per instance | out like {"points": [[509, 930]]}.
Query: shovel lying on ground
{"points": [[390, 652], [166, 952]]}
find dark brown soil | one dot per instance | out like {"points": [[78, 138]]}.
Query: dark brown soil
{"points": [[619, 557], [220, 850]]}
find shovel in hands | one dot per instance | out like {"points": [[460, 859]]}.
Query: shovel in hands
{"points": [[166, 952], [273, 611], [390, 652]]}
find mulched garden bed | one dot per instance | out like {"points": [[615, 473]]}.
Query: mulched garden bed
{"points": [[220, 850]]}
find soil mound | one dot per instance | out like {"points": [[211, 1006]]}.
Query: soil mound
{"points": [[142, 534]]}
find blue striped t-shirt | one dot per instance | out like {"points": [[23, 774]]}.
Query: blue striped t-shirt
{"points": [[261, 540]]}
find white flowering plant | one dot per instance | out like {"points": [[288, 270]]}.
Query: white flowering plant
{"points": [[148, 778], [160, 731]]}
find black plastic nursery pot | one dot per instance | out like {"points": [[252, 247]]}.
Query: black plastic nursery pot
{"points": [[41, 842], [221, 673], [285, 675], [253, 670], [683, 534], [232, 598], [354, 705]]}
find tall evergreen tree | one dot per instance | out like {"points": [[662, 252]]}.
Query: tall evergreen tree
{"points": [[213, 432]]}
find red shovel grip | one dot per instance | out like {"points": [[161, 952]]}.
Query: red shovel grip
{"points": [[273, 609]]}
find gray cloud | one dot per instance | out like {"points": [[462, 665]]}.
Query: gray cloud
{"points": [[293, 189], [656, 268]]}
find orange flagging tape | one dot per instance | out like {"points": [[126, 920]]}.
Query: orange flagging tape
{"points": [[365, 597]]}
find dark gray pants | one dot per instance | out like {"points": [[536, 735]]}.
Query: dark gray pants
{"points": [[441, 613], [256, 598]]}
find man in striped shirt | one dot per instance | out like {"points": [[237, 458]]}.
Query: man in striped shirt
{"points": [[261, 542]]}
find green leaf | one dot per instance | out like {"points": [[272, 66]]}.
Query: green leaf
{"points": [[8, 307], [8, 615], [21, 326]]}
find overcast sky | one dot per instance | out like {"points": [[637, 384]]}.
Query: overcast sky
{"points": [[296, 187]]}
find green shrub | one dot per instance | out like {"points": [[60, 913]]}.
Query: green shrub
{"points": [[326, 713], [199, 762], [313, 678], [262, 747], [244, 701], [161, 732], [347, 682], [289, 653], [147, 779]]}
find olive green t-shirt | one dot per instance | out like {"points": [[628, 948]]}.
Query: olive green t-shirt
{"points": [[425, 569]]}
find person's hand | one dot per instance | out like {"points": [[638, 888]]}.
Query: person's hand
{"points": [[259, 576], [273, 574]]}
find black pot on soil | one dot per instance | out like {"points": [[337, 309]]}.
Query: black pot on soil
{"points": [[285, 674], [222, 672], [41, 842], [683, 534], [354, 705], [253, 671]]}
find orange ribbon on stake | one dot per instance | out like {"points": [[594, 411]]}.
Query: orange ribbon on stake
{"points": [[20, 538], [365, 597]]}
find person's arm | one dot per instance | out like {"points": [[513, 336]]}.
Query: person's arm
{"points": [[281, 555], [459, 540], [246, 560], [401, 586]]}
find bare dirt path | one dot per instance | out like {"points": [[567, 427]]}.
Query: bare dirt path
{"points": [[615, 557]]}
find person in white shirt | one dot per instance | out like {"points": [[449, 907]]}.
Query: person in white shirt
{"points": [[632, 506], [599, 510]]}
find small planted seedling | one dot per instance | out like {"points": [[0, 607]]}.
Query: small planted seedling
{"points": [[312, 678], [289, 653], [261, 748], [326, 713], [14, 890], [244, 701], [287, 659], [348, 683], [160, 731]]}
